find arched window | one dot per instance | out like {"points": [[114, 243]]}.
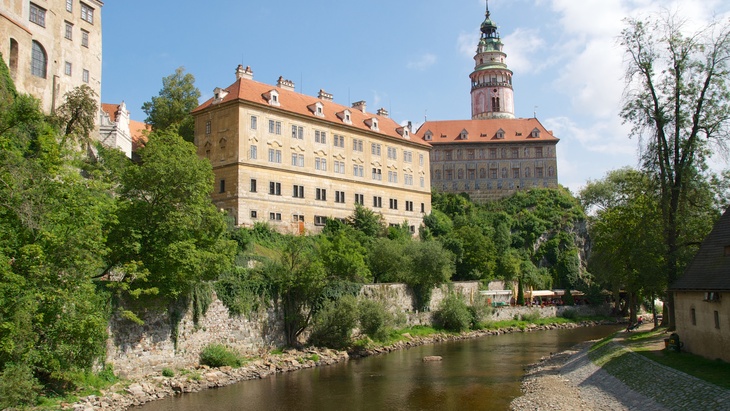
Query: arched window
{"points": [[13, 57], [39, 62]]}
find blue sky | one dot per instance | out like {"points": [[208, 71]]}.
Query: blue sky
{"points": [[410, 57]]}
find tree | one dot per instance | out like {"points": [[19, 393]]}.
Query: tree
{"points": [[172, 107], [677, 100], [77, 116], [169, 236], [368, 222], [344, 257]]}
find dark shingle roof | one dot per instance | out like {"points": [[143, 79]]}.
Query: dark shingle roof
{"points": [[710, 269]]}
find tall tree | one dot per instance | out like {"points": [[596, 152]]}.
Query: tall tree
{"points": [[76, 117], [677, 100], [172, 107]]}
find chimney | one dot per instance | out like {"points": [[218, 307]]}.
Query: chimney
{"points": [[285, 84], [323, 95], [410, 126], [246, 73], [359, 105], [382, 112]]}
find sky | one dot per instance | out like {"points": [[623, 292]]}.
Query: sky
{"points": [[410, 57]]}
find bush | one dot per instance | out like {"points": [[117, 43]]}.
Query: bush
{"points": [[531, 317], [168, 372], [569, 314], [333, 324], [17, 386], [375, 320], [217, 355], [453, 314], [480, 311]]}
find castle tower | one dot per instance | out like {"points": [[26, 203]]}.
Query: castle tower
{"points": [[491, 81]]}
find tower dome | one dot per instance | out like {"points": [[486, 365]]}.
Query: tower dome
{"points": [[491, 81]]}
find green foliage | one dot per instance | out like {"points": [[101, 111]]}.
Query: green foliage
{"points": [[217, 355], [453, 314], [569, 314], [480, 312], [344, 257], [76, 117], [333, 324], [375, 319], [168, 372], [387, 260], [428, 265], [170, 110], [369, 223], [568, 298], [243, 291], [532, 317], [18, 386]]}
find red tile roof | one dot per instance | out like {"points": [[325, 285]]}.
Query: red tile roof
{"points": [[485, 131], [111, 110], [139, 132], [293, 102]]}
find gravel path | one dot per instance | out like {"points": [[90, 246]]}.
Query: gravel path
{"points": [[570, 381]]}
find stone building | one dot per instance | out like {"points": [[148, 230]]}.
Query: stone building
{"points": [[494, 154], [702, 296], [294, 160], [52, 46], [117, 129]]}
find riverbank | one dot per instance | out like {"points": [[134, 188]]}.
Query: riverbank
{"points": [[129, 393], [572, 380]]}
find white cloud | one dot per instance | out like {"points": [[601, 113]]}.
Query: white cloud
{"points": [[608, 137], [425, 61], [522, 45], [467, 43]]}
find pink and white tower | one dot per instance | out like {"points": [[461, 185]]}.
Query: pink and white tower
{"points": [[491, 81]]}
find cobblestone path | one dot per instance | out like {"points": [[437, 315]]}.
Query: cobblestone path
{"points": [[643, 384]]}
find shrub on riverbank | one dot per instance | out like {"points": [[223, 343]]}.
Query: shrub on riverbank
{"points": [[375, 320], [453, 314], [217, 355], [333, 324]]}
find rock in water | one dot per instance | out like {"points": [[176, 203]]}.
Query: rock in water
{"points": [[432, 358]]}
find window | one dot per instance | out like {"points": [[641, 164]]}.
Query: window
{"points": [[377, 202], [253, 152], [340, 167], [482, 172], [375, 149], [297, 132], [297, 160], [222, 186], [320, 164], [538, 152], [274, 188], [492, 173], [320, 137], [423, 182], [69, 31], [471, 174], [449, 175], [693, 316], [408, 179], [392, 176], [207, 127], [275, 127], [298, 191], [515, 173], [253, 186], [377, 174], [492, 153], [297, 217], [392, 153], [320, 220], [409, 205], [504, 172], [437, 175], [515, 153], [254, 214], [460, 174], [470, 154], [69, 5], [339, 141], [538, 172], [274, 156], [420, 159], [357, 145], [358, 170], [393, 205], [423, 207], [37, 15], [360, 199], [39, 61], [482, 154], [407, 156], [254, 121], [67, 68], [447, 155], [275, 216], [339, 196], [13, 61], [85, 76], [84, 38], [87, 13], [321, 194]]}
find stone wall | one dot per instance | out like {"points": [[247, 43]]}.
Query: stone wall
{"points": [[137, 350]]}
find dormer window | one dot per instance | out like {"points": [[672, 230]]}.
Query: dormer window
{"points": [[272, 97], [372, 123], [317, 109], [218, 95], [345, 116], [464, 135], [404, 132], [535, 133], [428, 136], [500, 134]]}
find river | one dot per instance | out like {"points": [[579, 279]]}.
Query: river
{"points": [[477, 374]]}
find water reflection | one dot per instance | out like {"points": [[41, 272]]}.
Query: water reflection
{"points": [[478, 374]]}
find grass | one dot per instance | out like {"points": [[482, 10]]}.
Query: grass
{"points": [[713, 371]]}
